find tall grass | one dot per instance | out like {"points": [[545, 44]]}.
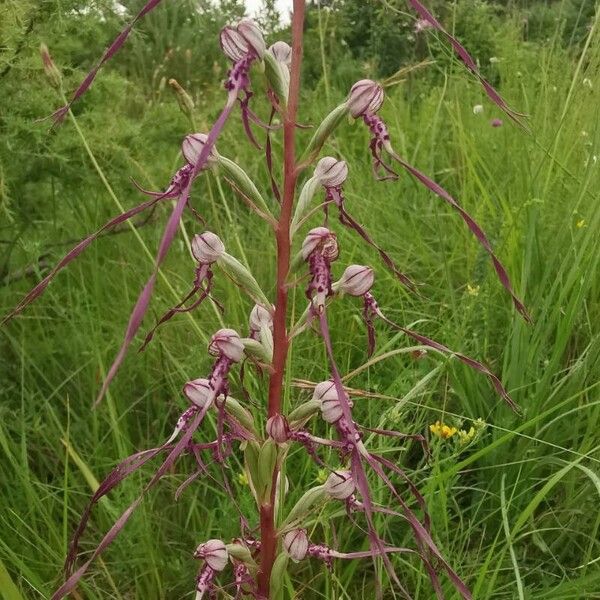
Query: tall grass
{"points": [[516, 512]]}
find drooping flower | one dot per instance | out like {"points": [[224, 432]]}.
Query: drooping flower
{"points": [[206, 248], [319, 249], [380, 142]]}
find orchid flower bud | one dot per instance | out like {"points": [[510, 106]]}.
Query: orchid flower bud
{"points": [[227, 342], [207, 247], [253, 36], [214, 552], [260, 317], [233, 44], [320, 238], [282, 52], [199, 392], [366, 97], [192, 146], [331, 172], [329, 402], [278, 428], [356, 280], [340, 485], [295, 543]]}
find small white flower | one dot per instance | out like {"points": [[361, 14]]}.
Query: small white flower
{"points": [[478, 109]]}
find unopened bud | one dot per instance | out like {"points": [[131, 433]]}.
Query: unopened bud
{"points": [[340, 485], [186, 104], [199, 392], [323, 240], [295, 543], [356, 280], [278, 429], [260, 317], [366, 97], [207, 247], [50, 68], [331, 172], [282, 52], [329, 402], [192, 146], [253, 36], [227, 342], [234, 46], [214, 553]]}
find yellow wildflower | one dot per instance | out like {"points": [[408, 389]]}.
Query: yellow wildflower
{"points": [[581, 223], [472, 290], [242, 478], [442, 430]]}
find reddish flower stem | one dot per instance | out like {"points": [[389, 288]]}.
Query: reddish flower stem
{"points": [[268, 548]]}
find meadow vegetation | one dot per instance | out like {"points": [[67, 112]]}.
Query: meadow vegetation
{"points": [[514, 504]]}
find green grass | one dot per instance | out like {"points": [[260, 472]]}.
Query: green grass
{"points": [[515, 513]]}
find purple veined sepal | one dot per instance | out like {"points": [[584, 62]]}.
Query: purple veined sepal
{"points": [[467, 59], [371, 310]]}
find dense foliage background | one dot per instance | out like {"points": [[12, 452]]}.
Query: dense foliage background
{"points": [[516, 511]]}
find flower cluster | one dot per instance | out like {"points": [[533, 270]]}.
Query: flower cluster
{"points": [[258, 561]]}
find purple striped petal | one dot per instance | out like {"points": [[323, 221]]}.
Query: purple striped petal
{"points": [[462, 53], [38, 290], [60, 114], [471, 223]]}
